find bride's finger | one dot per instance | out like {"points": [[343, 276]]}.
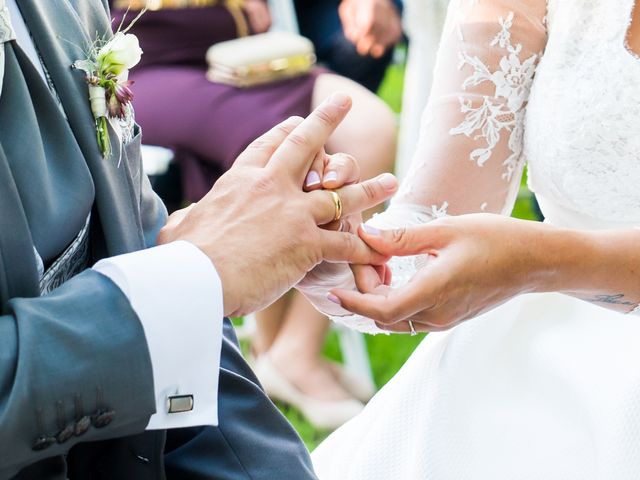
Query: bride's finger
{"points": [[404, 327], [386, 306], [388, 275], [367, 277], [339, 170], [313, 180], [418, 325]]}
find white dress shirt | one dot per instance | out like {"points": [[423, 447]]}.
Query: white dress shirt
{"points": [[176, 293]]}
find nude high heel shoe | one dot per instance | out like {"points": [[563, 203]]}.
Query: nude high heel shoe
{"points": [[358, 386], [323, 414]]}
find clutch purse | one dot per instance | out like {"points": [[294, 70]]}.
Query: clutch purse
{"points": [[260, 59]]}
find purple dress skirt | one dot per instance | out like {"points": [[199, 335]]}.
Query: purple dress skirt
{"points": [[206, 124]]}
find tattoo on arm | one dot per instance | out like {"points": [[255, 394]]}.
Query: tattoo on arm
{"points": [[618, 299]]}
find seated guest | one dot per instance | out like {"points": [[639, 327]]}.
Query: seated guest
{"points": [[354, 38], [208, 124]]}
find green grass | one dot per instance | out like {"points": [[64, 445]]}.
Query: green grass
{"points": [[387, 352]]}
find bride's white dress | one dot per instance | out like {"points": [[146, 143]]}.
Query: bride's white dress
{"points": [[545, 386]]}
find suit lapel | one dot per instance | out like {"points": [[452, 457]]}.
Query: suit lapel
{"points": [[62, 36]]}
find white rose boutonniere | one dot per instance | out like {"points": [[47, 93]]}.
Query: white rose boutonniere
{"points": [[107, 69]]}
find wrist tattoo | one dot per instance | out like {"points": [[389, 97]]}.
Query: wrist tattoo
{"points": [[618, 299]]}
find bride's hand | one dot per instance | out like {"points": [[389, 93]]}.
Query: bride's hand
{"points": [[332, 172], [473, 263]]}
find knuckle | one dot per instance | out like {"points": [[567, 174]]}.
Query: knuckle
{"points": [[164, 235], [351, 162], [369, 190], [398, 235], [285, 128], [259, 144], [337, 161], [325, 117], [389, 314], [263, 181], [344, 162], [298, 140], [349, 243]]}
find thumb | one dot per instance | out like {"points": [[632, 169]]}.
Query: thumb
{"points": [[400, 242]]}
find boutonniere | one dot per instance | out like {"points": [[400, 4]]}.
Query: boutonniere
{"points": [[107, 66]]}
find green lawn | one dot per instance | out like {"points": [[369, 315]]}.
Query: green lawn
{"points": [[387, 353]]}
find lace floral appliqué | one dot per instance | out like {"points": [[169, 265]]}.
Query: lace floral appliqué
{"points": [[504, 112]]}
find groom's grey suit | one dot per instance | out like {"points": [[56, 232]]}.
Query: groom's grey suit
{"points": [[76, 385]]}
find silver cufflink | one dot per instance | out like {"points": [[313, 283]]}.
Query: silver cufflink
{"points": [[180, 403]]}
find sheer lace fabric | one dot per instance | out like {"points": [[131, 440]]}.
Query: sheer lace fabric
{"points": [[470, 155], [469, 158]]}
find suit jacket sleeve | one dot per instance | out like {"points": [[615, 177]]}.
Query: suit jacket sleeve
{"points": [[74, 366]]}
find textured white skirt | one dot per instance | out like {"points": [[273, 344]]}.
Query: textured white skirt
{"points": [[543, 387]]}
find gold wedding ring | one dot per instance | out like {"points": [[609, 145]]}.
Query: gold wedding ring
{"points": [[337, 203]]}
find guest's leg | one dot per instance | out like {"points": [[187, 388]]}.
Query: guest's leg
{"points": [[269, 322], [302, 338], [253, 441], [319, 21]]}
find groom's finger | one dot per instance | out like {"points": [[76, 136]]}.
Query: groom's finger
{"points": [[354, 198], [258, 153], [347, 247], [296, 154]]}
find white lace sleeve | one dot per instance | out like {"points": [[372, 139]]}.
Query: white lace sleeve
{"points": [[469, 157]]}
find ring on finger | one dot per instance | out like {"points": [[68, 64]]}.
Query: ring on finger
{"points": [[412, 329], [337, 203]]}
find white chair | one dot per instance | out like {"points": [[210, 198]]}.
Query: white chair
{"points": [[283, 14], [156, 160], [423, 22]]}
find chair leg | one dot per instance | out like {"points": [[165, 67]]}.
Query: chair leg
{"points": [[284, 16], [354, 353]]}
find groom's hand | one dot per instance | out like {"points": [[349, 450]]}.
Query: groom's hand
{"points": [[258, 226]]}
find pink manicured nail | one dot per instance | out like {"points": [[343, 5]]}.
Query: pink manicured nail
{"points": [[332, 298], [388, 181], [369, 230], [312, 179], [331, 176]]}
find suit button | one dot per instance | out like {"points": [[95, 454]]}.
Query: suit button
{"points": [[82, 426], [102, 419], [65, 434], [43, 442]]}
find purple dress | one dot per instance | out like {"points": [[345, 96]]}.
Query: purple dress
{"points": [[206, 124]]}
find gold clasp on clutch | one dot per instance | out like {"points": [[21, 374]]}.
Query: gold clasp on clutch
{"points": [[279, 64]]}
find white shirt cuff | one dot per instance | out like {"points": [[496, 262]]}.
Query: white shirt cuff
{"points": [[177, 294]]}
